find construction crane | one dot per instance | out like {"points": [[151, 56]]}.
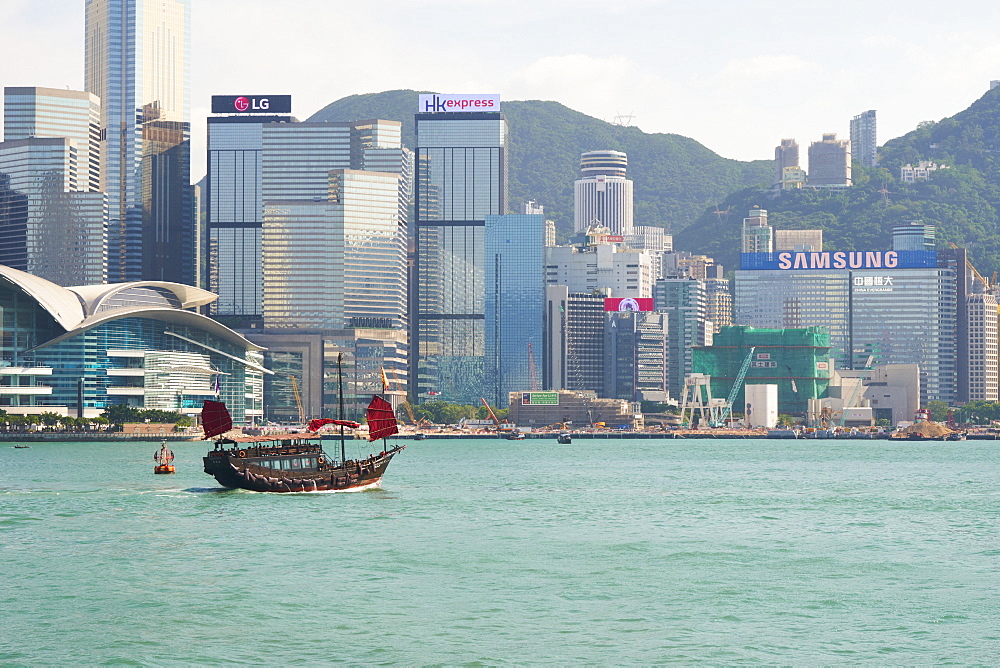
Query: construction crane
{"points": [[979, 277], [532, 368], [500, 425], [298, 398], [736, 389]]}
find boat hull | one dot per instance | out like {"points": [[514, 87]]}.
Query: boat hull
{"points": [[229, 470]]}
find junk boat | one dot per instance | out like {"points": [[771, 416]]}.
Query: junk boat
{"points": [[164, 459], [295, 462]]}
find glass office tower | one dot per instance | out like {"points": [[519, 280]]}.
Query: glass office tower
{"points": [[338, 263], [255, 159], [50, 228], [138, 64], [874, 316], [515, 304], [55, 113], [235, 215], [461, 178]]}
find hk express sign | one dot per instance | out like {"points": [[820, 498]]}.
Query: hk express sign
{"points": [[432, 103], [251, 104]]}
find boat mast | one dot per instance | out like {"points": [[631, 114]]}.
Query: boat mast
{"points": [[340, 382]]}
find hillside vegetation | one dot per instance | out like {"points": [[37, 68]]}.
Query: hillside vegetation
{"points": [[675, 177], [963, 201]]}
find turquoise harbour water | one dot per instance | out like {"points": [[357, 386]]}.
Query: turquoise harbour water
{"points": [[619, 552]]}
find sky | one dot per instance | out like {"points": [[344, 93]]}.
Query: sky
{"points": [[735, 75]]}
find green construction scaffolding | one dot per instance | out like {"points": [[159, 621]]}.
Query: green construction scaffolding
{"points": [[796, 360]]}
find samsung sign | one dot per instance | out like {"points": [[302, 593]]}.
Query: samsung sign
{"points": [[834, 260], [432, 103], [251, 104]]}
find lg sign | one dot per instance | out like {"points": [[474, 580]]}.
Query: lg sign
{"points": [[436, 104], [251, 104]]}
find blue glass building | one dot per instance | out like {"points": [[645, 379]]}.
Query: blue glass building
{"points": [[515, 304], [461, 178]]}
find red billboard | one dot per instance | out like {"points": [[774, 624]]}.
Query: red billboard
{"points": [[628, 304]]}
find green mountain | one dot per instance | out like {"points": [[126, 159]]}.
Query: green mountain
{"points": [[963, 201], [675, 177]]}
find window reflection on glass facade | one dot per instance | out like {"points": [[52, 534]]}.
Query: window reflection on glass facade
{"points": [[52, 229], [461, 178], [234, 213], [57, 113], [338, 263], [138, 64], [514, 304]]}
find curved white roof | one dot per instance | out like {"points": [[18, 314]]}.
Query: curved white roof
{"points": [[62, 304], [188, 295], [75, 309], [165, 314]]}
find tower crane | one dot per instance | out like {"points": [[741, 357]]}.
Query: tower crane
{"points": [[298, 398], [736, 389]]}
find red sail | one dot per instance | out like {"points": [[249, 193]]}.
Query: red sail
{"points": [[215, 418], [319, 423], [381, 419]]}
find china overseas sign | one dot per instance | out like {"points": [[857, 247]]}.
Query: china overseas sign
{"points": [[838, 260], [434, 103], [539, 398], [628, 304]]}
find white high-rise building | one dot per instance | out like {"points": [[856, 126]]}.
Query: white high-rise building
{"points": [[983, 363], [758, 236], [603, 195], [602, 267], [864, 143]]}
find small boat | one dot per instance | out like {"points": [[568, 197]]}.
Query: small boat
{"points": [[22, 447], [419, 437], [565, 438], [164, 459], [514, 436], [296, 462], [955, 436]]}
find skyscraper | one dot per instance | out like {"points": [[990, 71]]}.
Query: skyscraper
{"points": [[461, 177], [48, 227], [515, 298], [138, 63], [56, 113], [256, 159], [235, 207], [683, 300], [339, 263], [603, 194], [864, 143]]}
